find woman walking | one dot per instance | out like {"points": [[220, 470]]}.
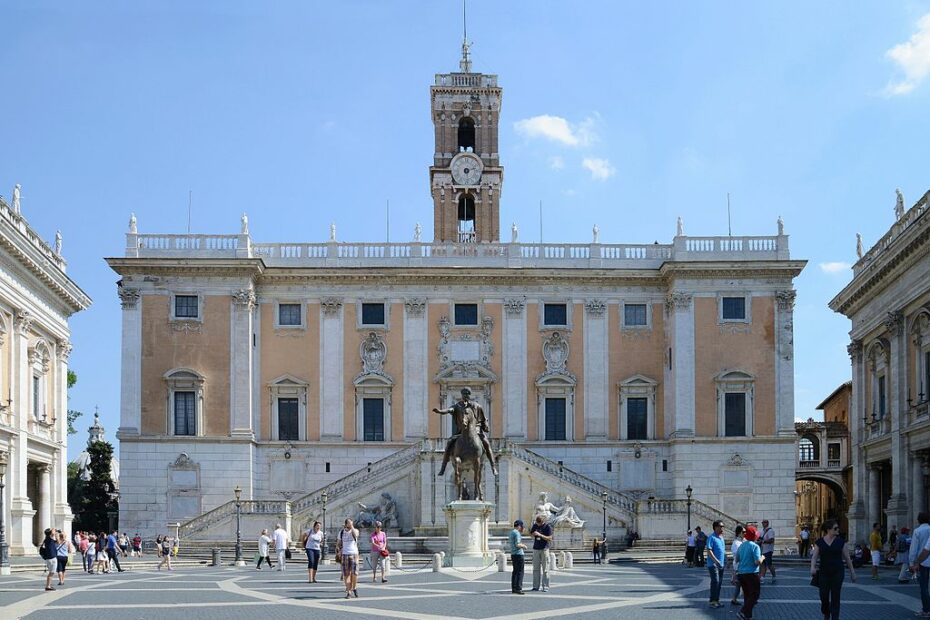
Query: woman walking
{"points": [[264, 542], [748, 559], [348, 550], [734, 547], [64, 548], [165, 549], [378, 553], [690, 546], [830, 550], [102, 565], [313, 540]]}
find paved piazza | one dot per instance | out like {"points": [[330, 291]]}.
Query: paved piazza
{"points": [[647, 591]]}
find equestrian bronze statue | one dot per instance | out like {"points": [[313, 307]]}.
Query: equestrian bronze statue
{"points": [[467, 447]]}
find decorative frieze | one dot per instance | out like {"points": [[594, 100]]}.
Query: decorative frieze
{"points": [[128, 297], [190, 327], [785, 299], [373, 352], [244, 298], [331, 306], [514, 306], [595, 307], [415, 306], [465, 347]]}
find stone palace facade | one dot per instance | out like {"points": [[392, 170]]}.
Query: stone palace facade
{"points": [[614, 374], [36, 299], [888, 302]]}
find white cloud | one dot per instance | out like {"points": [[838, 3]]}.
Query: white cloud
{"points": [[912, 58], [600, 169], [556, 162], [558, 129], [835, 267]]}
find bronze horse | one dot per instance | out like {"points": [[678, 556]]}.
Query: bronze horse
{"points": [[468, 452]]}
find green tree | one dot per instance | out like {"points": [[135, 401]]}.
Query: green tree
{"points": [[73, 415], [95, 501]]}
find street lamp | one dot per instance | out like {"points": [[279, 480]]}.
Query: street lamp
{"points": [[238, 493], [113, 515], [604, 501], [4, 550], [689, 491], [325, 497]]}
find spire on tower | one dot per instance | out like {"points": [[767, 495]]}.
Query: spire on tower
{"points": [[465, 63]]}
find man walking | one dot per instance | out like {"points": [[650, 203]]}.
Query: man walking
{"points": [[280, 546], [804, 542], [113, 550], [542, 536], [49, 552], [700, 543], [919, 560], [767, 540], [516, 557], [875, 546], [716, 558]]}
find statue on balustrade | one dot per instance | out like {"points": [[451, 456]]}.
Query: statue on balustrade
{"points": [[385, 512], [468, 445]]}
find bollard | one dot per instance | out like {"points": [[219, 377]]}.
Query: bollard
{"points": [[398, 559], [442, 554], [387, 567], [437, 563], [569, 560], [217, 561], [552, 564], [561, 562], [501, 562]]}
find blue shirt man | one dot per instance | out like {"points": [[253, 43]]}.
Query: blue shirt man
{"points": [[716, 557], [516, 556]]}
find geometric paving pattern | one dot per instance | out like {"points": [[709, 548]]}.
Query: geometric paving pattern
{"points": [[640, 591]]}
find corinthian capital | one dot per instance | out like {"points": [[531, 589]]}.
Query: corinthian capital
{"points": [[595, 307], [514, 306], [894, 323], [331, 305], [785, 299], [854, 349], [244, 298], [128, 297], [23, 321], [678, 301]]}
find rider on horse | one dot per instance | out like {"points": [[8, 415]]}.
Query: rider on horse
{"points": [[459, 410]]}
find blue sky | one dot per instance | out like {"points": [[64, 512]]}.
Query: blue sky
{"points": [[617, 113]]}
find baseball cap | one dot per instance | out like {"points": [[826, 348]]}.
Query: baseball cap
{"points": [[518, 523]]}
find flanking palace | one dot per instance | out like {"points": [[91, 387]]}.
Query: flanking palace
{"points": [[617, 375]]}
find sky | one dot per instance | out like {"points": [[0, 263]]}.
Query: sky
{"points": [[621, 114]]}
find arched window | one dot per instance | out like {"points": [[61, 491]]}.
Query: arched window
{"points": [[466, 134], [185, 401], [809, 450], [466, 218]]}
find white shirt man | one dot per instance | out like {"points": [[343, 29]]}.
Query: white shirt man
{"points": [[280, 545]]}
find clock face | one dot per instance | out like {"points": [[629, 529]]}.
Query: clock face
{"points": [[466, 169]]}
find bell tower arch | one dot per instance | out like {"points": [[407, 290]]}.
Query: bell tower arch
{"points": [[466, 175]]}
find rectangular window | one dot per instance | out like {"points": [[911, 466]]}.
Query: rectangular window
{"points": [[734, 308], [289, 315], [636, 418], [734, 414], [37, 397], [634, 315], [373, 419], [184, 413], [373, 314], [466, 314], [881, 397], [555, 419], [185, 307], [288, 419], [555, 314], [833, 451]]}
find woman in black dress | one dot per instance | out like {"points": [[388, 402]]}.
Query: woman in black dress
{"points": [[830, 550]]}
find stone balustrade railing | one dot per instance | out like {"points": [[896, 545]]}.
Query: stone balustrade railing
{"points": [[911, 216], [228, 510], [699, 511], [549, 255], [18, 222], [480, 80]]}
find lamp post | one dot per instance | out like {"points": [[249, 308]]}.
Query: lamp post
{"points": [[238, 493], [689, 491], [604, 502], [113, 515], [325, 497], [4, 550]]}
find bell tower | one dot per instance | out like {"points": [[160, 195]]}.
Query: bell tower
{"points": [[466, 175]]}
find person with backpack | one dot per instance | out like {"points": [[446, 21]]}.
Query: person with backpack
{"points": [[347, 552], [48, 551], [747, 560], [901, 552]]}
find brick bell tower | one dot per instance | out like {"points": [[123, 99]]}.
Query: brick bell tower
{"points": [[466, 175]]}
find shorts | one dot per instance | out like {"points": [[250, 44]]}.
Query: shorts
{"points": [[51, 566], [876, 558], [62, 563], [767, 558], [376, 559], [349, 565], [313, 558]]}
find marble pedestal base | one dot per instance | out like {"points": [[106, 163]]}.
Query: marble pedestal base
{"points": [[468, 533], [567, 537]]}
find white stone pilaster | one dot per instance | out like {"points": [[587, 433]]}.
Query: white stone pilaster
{"points": [[875, 507], [918, 490], [45, 496], [514, 368], [897, 503], [856, 515], [240, 363], [596, 387], [63, 514], [784, 363], [331, 363], [681, 310], [131, 363], [416, 382]]}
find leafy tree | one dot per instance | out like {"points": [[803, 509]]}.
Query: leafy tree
{"points": [[73, 415], [95, 502], [75, 486]]}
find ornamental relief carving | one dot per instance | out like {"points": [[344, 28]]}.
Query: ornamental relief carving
{"points": [[373, 352], [678, 301], [785, 299], [244, 299], [331, 306], [555, 351], [188, 327], [22, 321], [854, 350], [514, 306], [894, 323], [415, 306], [128, 297], [595, 307], [467, 347], [64, 350], [735, 328]]}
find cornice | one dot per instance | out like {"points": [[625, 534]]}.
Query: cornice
{"points": [[248, 267], [732, 269]]}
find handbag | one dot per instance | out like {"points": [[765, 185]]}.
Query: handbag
{"points": [[384, 552], [287, 554], [815, 579]]}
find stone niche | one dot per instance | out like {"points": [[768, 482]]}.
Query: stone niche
{"points": [[185, 498]]}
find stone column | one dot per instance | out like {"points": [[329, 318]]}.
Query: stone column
{"points": [[331, 362], [856, 515], [514, 369], [45, 495], [22, 374], [240, 363], [784, 363], [918, 490], [897, 508], [416, 381], [596, 371], [131, 363], [875, 508], [680, 309]]}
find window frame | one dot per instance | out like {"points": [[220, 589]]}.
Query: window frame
{"points": [[726, 400], [288, 386], [747, 307], [638, 386], [730, 382], [173, 317], [373, 386], [648, 315], [277, 315], [174, 412], [478, 312], [566, 326], [555, 386], [384, 434], [359, 322], [184, 380]]}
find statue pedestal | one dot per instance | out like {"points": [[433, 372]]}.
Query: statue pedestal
{"points": [[564, 537], [468, 533]]}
